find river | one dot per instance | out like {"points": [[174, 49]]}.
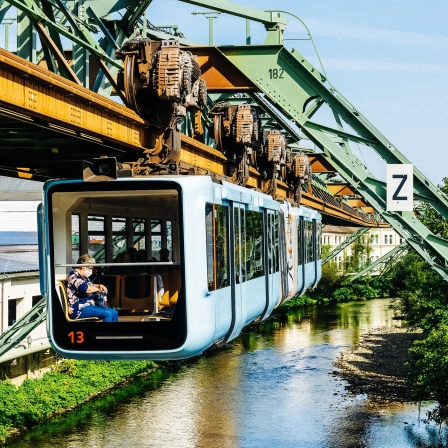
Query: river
{"points": [[272, 387]]}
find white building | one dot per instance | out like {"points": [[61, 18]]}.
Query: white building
{"points": [[19, 279], [381, 241]]}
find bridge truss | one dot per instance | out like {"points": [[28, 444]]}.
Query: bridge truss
{"points": [[290, 93]]}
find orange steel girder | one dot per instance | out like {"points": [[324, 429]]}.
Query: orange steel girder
{"points": [[34, 91]]}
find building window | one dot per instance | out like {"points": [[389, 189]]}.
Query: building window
{"points": [[12, 312], [388, 238]]}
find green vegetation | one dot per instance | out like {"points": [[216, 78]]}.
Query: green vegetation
{"points": [[424, 304], [67, 385], [336, 284]]}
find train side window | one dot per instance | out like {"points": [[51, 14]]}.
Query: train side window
{"points": [[239, 229], [299, 239], [156, 237], [217, 241], [254, 245], [75, 238], [272, 242], [276, 243], [96, 235], [309, 241], [318, 240], [119, 236], [139, 226]]}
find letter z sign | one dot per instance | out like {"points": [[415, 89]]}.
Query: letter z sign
{"points": [[400, 187]]}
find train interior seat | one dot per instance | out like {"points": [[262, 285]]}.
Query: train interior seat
{"points": [[64, 300]]}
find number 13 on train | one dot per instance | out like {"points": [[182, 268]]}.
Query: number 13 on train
{"points": [[187, 262]]}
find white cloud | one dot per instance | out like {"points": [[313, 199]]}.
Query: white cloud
{"points": [[354, 33], [369, 65]]}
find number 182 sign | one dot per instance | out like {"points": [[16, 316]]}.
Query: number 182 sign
{"points": [[400, 187]]}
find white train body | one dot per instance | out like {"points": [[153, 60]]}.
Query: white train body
{"points": [[235, 255]]}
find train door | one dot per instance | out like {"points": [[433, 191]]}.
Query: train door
{"points": [[301, 254], [238, 277], [317, 237], [273, 295]]}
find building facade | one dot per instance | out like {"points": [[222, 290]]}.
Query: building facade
{"points": [[19, 281], [380, 240]]}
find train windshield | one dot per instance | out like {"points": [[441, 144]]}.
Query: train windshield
{"points": [[116, 257]]}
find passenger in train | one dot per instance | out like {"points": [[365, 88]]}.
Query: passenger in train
{"points": [[81, 293], [132, 252], [142, 256], [122, 257], [164, 254]]}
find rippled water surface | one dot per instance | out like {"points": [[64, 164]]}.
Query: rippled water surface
{"points": [[273, 387]]}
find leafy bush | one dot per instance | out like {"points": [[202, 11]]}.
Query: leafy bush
{"points": [[427, 371], [423, 293]]}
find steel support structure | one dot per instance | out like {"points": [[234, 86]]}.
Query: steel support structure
{"points": [[23, 327], [351, 239], [299, 90], [387, 259]]}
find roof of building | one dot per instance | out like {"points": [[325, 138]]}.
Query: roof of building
{"points": [[18, 252], [340, 229], [20, 189], [15, 238], [23, 258]]}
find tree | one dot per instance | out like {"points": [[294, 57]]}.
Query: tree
{"points": [[432, 219], [424, 302], [360, 255]]}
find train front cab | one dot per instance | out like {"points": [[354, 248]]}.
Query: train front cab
{"points": [[108, 219]]}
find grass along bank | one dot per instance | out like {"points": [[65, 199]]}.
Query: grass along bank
{"points": [[68, 384]]}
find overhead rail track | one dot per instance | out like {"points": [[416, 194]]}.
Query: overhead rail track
{"points": [[76, 124]]}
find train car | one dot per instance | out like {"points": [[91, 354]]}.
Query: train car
{"points": [[213, 257]]}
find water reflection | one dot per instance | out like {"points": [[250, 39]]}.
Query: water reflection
{"points": [[273, 386]]}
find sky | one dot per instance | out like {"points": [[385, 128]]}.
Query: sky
{"points": [[388, 58]]}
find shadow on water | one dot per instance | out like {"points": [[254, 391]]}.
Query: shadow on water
{"points": [[275, 385]]}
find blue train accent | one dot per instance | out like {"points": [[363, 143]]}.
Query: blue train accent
{"points": [[234, 255]]}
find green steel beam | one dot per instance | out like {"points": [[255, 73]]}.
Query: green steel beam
{"points": [[351, 239], [271, 19], [4, 8], [23, 327], [386, 258], [33, 10], [294, 86]]}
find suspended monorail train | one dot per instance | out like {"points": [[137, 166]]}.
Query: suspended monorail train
{"points": [[234, 255]]}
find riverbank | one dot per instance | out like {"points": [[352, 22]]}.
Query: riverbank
{"points": [[67, 385], [375, 365]]}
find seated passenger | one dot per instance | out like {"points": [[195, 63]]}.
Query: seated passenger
{"points": [[164, 254], [81, 293], [142, 256]]}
